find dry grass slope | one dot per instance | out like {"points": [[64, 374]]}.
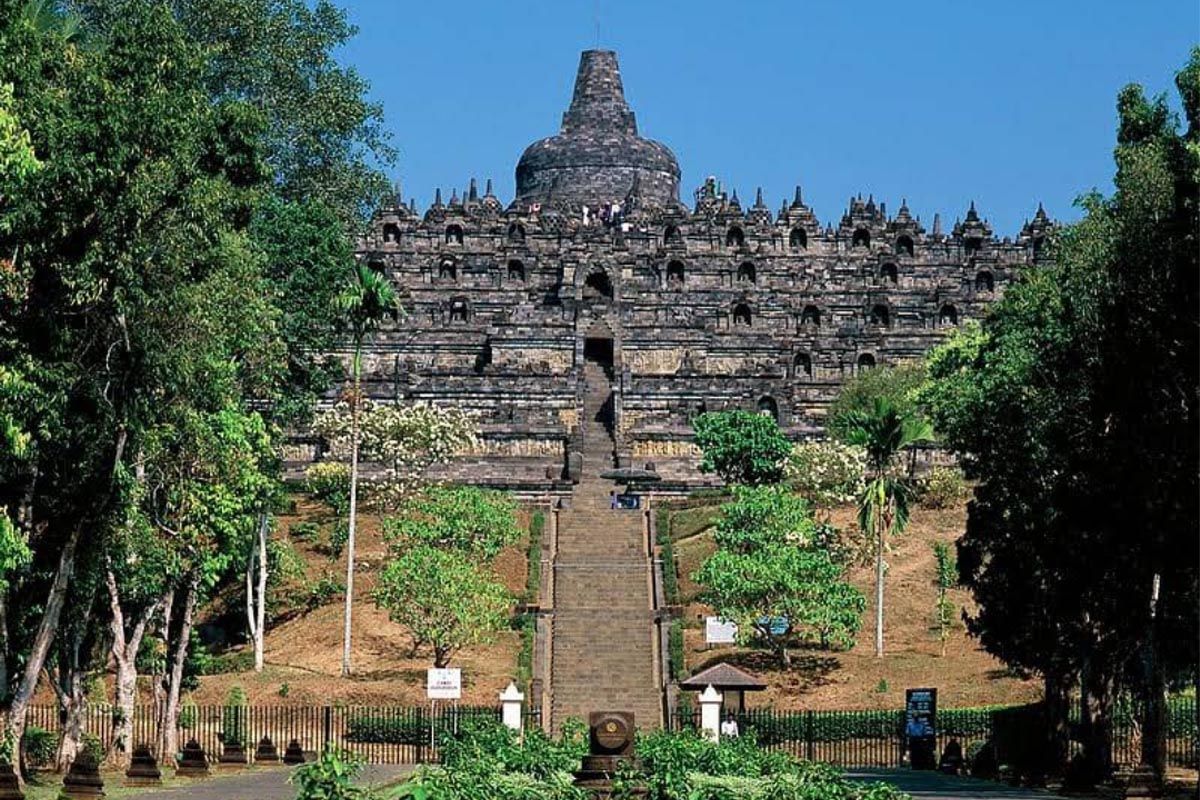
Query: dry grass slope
{"points": [[856, 679]]}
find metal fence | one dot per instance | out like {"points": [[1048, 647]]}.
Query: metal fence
{"points": [[374, 734], [854, 739]]}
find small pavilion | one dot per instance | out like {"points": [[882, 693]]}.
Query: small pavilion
{"points": [[731, 682]]}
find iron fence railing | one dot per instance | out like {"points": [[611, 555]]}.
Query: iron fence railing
{"points": [[408, 734], [374, 734], [854, 739]]}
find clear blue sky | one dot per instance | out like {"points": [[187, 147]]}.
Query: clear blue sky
{"points": [[1005, 103]]}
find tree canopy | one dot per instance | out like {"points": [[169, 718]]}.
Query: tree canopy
{"points": [[741, 447], [1074, 407]]}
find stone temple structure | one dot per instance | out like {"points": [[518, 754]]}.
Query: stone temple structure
{"points": [[596, 286]]}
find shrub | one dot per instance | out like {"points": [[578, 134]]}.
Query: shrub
{"points": [[670, 572], [188, 714], [533, 581], [827, 472], [329, 483], [330, 777], [39, 746], [409, 726], [235, 718], [304, 531], [322, 592], [943, 487], [338, 538], [675, 651]]}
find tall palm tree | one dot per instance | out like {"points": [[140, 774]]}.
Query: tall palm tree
{"points": [[366, 301], [883, 508]]}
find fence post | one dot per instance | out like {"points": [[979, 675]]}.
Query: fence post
{"points": [[326, 727], [810, 735]]}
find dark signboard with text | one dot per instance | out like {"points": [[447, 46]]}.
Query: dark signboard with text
{"points": [[920, 727]]}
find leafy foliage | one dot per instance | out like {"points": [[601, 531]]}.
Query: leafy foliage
{"points": [[943, 487], [1074, 407], [444, 599], [475, 522], [405, 440], [826, 472], [741, 447], [771, 576], [898, 385], [330, 777], [487, 760]]}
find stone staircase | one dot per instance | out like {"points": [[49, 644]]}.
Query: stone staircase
{"points": [[603, 634]]}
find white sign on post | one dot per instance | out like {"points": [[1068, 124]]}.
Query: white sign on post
{"points": [[443, 684], [718, 631]]}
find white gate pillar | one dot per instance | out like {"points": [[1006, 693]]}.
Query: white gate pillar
{"points": [[710, 714], [511, 701]]}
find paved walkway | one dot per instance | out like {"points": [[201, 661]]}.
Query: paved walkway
{"points": [[927, 785], [259, 784]]}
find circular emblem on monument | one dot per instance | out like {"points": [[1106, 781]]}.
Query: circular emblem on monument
{"points": [[612, 734]]}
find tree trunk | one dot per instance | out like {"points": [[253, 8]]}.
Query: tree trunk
{"points": [[168, 733], [354, 409], [19, 710], [1058, 733], [878, 590], [1154, 721], [260, 622], [160, 680], [3, 646], [72, 705], [124, 651], [1096, 723]]}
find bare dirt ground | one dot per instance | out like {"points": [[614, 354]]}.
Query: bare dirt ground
{"points": [[303, 652], [856, 679]]}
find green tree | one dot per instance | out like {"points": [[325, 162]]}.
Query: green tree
{"points": [[475, 522], [444, 599], [366, 302], [324, 141], [1074, 406], [883, 507], [772, 577], [945, 576], [741, 447], [898, 384]]}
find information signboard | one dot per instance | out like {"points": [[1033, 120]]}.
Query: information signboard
{"points": [[920, 727], [718, 631], [443, 684]]}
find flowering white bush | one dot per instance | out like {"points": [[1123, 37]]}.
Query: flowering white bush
{"points": [[827, 473], [405, 440]]}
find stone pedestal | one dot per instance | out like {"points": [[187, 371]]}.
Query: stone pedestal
{"points": [[233, 756], [266, 752], [1143, 783], [294, 753], [82, 780], [610, 745], [143, 768], [10, 787], [193, 762]]}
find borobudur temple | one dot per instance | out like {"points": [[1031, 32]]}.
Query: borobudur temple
{"points": [[597, 282]]}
